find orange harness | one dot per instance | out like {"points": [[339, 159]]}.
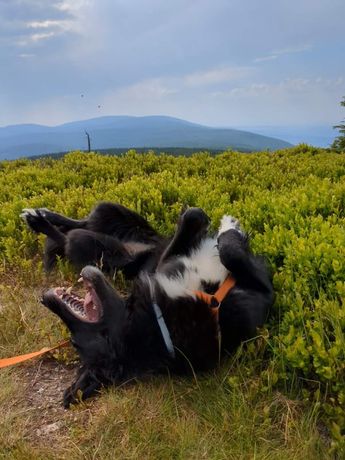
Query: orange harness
{"points": [[213, 300]]}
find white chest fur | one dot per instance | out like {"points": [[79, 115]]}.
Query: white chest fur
{"points": [[203, 265]]}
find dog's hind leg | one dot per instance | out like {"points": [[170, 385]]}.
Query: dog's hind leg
{"points": [[84, 247], [56, 239], [191, 228], [52, 251], [55, 219], [123, 223], [39, 224]]}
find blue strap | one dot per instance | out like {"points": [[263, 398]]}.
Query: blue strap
{"points": [[164, 330]]}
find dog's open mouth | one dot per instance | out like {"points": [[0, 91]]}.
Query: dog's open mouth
{"points": [[86, 308]]}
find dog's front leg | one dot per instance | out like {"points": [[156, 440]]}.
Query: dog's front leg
{"points": [[191, 228], [85, 386]]}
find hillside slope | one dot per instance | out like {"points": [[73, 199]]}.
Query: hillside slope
{"points": [[127, 132]]}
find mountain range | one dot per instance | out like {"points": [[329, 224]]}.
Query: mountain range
{"points": [[127, 132]]}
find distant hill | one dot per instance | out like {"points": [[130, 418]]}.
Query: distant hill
{"points": [[126, 132], [316, 135]]}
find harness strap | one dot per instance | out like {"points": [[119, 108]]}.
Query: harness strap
{"points": [[5, 362], [164, 330], [214, 300]]}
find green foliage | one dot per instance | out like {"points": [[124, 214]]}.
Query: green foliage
{"points": [[292, 201]]}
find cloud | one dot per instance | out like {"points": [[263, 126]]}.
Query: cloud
{"points": [[300, 100], [281, 52], [71, 5], [28, 22], [48, 24], [215, 76], [215, 62], [293, 49], [161, 87], [26, 55], [36, 38], [288, 86]]}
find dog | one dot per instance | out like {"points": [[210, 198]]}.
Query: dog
{"points": [[172, 319]]}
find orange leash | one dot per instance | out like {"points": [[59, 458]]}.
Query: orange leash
{"points": [[214, 300], [5, 362]]}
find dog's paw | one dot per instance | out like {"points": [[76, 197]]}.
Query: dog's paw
{"points": [[35, 219], [27, 213], [32, 212], [194, 218], [229, 223], [70, 397]]}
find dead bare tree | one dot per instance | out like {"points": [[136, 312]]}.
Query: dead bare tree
{"points": [[88, 141]]}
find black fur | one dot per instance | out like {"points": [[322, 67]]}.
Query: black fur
{"points": [[125, 341], [101, 239]]}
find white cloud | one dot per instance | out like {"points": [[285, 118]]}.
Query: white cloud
{"points": [[217, 75], [281, 52], [34, 38], [28, 22], [71, 5], [41, 36], [287, 86], [26, 55], [47, 24]]}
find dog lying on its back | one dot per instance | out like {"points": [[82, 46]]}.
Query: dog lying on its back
{"points": [[163, 324]]}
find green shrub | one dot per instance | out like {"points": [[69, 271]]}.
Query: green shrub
{"points": [[292, 201]]}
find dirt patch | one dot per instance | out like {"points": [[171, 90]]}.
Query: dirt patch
{"points": [[43, 385]]}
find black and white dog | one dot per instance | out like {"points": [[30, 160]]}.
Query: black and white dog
{"points": [[164, 323]]}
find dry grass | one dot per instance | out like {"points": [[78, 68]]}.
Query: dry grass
{"points": [[160, 418]]}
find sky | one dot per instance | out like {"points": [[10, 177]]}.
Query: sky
{"points": [[222, 63]]}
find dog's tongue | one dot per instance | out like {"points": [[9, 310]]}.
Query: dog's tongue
{"points": [[90, 308]]}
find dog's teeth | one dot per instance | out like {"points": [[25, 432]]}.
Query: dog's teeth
{"points": [[69, 290], [80, 280]]}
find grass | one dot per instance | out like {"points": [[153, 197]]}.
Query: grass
{"points": [[227, 414], [167, 418]]}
